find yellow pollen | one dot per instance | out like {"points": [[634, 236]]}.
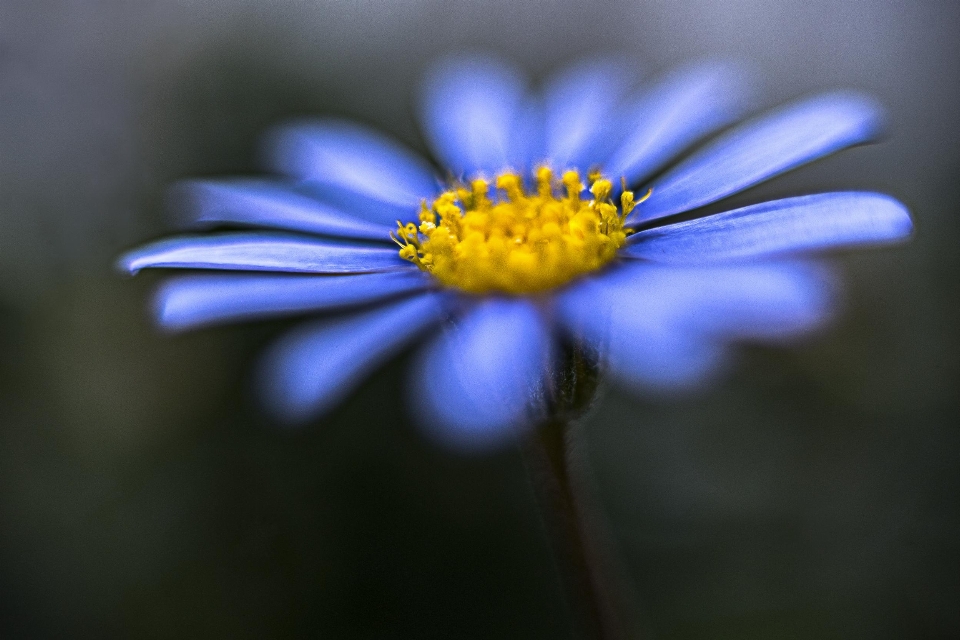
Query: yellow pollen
{"points": [[513, 241]]}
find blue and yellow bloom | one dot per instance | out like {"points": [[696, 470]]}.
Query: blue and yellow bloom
{"points": [[530, 236]]}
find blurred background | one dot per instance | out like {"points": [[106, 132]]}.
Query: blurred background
{"points": [[813, 493]]}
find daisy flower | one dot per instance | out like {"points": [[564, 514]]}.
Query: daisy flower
{"points": [[547, 243]]}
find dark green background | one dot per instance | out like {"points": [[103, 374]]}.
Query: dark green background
{"points": [[813, 493]]}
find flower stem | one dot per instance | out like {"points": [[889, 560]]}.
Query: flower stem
{"points": [[547, 457]]}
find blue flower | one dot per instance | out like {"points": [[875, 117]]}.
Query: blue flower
{"points": [[661, 310]]}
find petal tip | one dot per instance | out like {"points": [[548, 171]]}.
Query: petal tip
{"points": [[861, 115], [467, 65], [163, 310], [185, 202], [285, 146], [897, 216], [128, 264]]}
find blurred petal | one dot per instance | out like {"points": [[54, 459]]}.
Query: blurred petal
{"points": [[763, 148], [673, 114], [206, 203], [578, 103], [642, 351], [481, 382], [261, 252], [791, 225], [312, 368], [362, 207], [475, 114], [191, 301], [527, 140], [665, 327], [665, 362], [348, 155]]}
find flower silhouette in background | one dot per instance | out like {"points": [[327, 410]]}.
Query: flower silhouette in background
{"points": [[527, 240]]}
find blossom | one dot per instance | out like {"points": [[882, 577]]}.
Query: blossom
{"points": [[506, 254]]}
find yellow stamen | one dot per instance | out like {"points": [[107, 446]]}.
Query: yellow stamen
{"points": [[517, 242]]}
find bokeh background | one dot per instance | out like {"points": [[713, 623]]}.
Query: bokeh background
{"points": [[813, 493]]}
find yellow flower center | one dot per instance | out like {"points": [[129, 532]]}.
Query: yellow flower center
{"points": [[517, 242]]}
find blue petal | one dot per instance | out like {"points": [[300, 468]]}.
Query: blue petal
{"points": [[350, 156], [664, 362], [476, 115], [578, 104], [791, 225], [481, 382], [666, 328], [207, 203], [761, 149], [261, 252], [312, 368], [674, 113], [361, 206], [527, 139], [187, 302], [642, 350]]}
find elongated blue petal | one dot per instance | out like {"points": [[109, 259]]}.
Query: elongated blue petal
{"points": [[674, 113], [314, 367], [481, 382], [475, 113], [191, 301], [762, 149], [361, 206], [259, 203], [792, 225], [261, 252], [527, 140], [666, 327], [662, 361], [579, 103], [351, 156], [769, 300], [643, 348]]}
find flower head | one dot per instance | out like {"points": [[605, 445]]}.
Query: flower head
{"points": [[535, 238], [522, 243]]}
